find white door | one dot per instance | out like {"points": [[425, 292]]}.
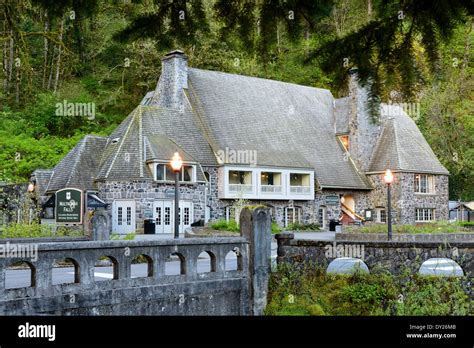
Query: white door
{"points": [[163, 215], [187, 219], [123, 217]]}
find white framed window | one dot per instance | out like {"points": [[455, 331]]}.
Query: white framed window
{"points": [[229, 213], [381, 215], [424, 214], [322, 216], [424, 183], [165, 173], [292, 215], [240, 181]]}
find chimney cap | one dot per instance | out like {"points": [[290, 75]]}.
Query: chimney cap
{"points": [[174, 53]]}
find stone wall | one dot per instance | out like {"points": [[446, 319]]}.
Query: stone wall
{"points": [[405, 200], [144, 192], [392, 256]]}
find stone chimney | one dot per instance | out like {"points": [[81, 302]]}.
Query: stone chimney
{"points": [[363, 133], [174, 78]]}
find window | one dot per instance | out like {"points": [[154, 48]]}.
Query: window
{"points": [[322, 216], [270, 182], [119, 215], [129, 216], [381, 215], [299, 183], [424, 183], [164, 172], [49, 213], [345, 141], [292, 215], [229, 213], [167, 216], [240, 181], [425, 214]]}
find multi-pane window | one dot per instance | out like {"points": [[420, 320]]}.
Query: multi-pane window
{"points": [[186, 216], [158, 215], [119, 216], [424, 183], [292, 215], [322, 216], [129, 216], [164, 172], [425, 214], [381, 215], [167, 217]]}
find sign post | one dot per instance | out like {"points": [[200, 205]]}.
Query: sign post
{"points": [[69, 206]]}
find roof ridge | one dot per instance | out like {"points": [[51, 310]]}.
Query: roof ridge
{"points": [[121, 142], [397, 145], [261, 78], [82, 145]]}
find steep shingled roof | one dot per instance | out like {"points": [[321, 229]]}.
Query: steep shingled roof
{"points": [[288, 125], [78, 167], [402, 147]]}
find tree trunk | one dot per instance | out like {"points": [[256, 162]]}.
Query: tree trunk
{"points": [[18, 80], [45, 51], [58, 62]]}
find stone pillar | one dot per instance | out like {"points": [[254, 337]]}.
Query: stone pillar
{"points": [[283, 239], [101, 226], [255, 225]]}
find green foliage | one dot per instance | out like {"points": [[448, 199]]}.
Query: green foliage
{"points": [[308, 290], [36, 230], [223, 225], [436, 227], [275, 228], [296, 226]]}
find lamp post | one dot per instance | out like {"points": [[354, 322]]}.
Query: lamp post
{"points": [[176, 164], [388, 178]]}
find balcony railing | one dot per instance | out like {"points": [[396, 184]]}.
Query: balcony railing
{"points": [[270, 188], [236, 188], [300, 189]]}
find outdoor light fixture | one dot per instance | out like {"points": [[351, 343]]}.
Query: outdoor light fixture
{"points": [[31, 187], [388, 178], [176, 164]]}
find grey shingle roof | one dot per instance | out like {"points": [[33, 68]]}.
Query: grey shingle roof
{"points": [[78, 167], [402, 147], [42, 178], [341, 115], [288, 125]]}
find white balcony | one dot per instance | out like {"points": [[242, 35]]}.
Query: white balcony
{"points": [[240, 188], [271, 189], [300, 190]]}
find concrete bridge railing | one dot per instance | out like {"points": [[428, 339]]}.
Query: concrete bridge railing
{"points": [[220, 291], [86, 296]]}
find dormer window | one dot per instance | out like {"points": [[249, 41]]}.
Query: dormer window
{"points": [[165, 173], [345, 141]]}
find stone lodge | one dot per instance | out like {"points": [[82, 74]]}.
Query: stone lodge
{"points": [[308, 156]]}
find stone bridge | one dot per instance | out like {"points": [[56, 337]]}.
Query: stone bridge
{"points": [[393, 256], [218, 292]]}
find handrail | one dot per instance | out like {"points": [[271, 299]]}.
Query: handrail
{"points": [[352, 212]]}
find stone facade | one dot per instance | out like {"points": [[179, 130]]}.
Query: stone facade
{"points": [[144, 192]]}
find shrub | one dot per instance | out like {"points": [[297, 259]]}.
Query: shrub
{"points": [[223, 225], [35, 230]]}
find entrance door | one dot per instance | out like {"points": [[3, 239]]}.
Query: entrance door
{"points": [[123, 217], [163, 215], [187, 219]]}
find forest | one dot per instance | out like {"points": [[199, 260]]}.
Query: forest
{"points": [[107, 54]]}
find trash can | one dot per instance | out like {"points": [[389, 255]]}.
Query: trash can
{"points": [[332, 225], [149, 226]]}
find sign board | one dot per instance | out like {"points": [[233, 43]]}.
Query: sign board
{"points": [[69, 206], [332, 200]]}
